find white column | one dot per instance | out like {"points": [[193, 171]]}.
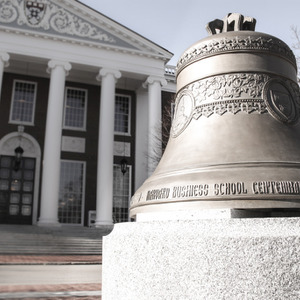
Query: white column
{"points": [[4, 58], [104, 202], [52, 147], [141, 137], [154, 121]]}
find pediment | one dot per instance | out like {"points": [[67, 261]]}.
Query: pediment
{"points": [[72, 21]]}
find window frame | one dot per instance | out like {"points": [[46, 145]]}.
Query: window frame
{"points": [[129, 169], [11, 121], [128, 133], [83, 192], [85, 109]]}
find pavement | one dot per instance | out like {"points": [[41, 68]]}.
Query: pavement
{"points": [[50, 277], [50, 259]]}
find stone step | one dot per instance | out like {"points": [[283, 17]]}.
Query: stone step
{"points": [[18, 239], [48, 250]]}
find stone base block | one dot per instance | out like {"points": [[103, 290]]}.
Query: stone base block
{"points": [[203, 259]]}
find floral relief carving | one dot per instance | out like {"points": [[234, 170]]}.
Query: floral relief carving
{"points": [[49, 16], [65, 22], [232, 93], [215, 46], [230, 106], [229, 86], [8, 13]]}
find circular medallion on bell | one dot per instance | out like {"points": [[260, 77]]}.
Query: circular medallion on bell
{"points": [[184, 107], [280, 102]]}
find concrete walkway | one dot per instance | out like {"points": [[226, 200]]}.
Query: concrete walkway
{"points": [[50, 277]]}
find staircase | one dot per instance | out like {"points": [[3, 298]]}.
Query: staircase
{"points": [[64, 240]]}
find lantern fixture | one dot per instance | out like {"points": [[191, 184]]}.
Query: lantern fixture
{"points": [[124, 166], [18, 157]]}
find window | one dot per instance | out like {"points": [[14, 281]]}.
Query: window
{"points": [[75, 109], [71, 192], [122, 114], [121, 194], [23, 102]]}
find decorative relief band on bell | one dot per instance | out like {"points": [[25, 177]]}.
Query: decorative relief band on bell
{"points": [[230, 86], [234, 93], [231, 106], [219, 94], [235, 106], [268, 44]]}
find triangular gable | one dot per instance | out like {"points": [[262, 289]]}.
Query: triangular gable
{"points": [[73, 21]]}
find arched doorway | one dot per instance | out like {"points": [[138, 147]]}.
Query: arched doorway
{"points": [[19, 179]]}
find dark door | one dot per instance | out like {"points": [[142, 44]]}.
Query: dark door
{"points": [[16, 190]]}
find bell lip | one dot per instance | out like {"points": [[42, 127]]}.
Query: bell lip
{"points": [[247, 203], [209, 47]]}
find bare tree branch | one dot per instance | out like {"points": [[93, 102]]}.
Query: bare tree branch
{"points": [[160, 135], [296, 47]]}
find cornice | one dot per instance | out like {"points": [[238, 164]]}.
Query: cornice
{"points": [[83, 43]]}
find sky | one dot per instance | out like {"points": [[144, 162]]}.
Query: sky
{"points": [[177, 24]]}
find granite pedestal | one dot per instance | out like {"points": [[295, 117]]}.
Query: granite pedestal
{"points": [[209, 259]]}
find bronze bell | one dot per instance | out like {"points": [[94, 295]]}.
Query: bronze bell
{"points": [[235, 136]]}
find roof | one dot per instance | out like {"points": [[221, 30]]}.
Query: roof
{"points": [[74, 22]]}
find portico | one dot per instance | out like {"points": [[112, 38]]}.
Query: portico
{"points": [[115, 62]]}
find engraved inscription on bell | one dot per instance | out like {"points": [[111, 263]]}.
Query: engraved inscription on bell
{"points": [[235, 136]]}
